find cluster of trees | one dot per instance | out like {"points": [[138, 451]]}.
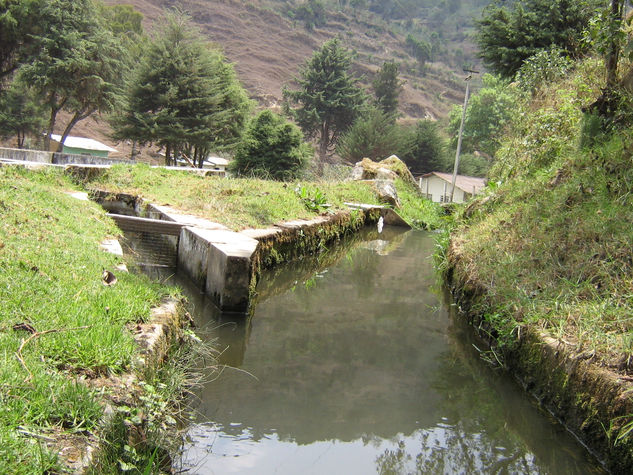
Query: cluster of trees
{"points": [[59, 55]]}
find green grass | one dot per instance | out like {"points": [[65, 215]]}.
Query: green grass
{"points": [[242, 203], [551, 246], [50, 280]]}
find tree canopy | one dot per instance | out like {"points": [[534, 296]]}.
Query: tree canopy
{"points": [[508, 35], [488, 113], [271, 147], [19, 21], [184, 96], [387, 87], [328, 99], [77, 65]]}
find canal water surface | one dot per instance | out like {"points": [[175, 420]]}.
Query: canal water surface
{"points": [[352, 364]]}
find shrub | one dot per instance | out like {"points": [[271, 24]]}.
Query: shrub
{"points": [[272, 147]]}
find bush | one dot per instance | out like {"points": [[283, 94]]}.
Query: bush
{"points": [[544, 67], [374, 135], [272, 147], [422, 148]]}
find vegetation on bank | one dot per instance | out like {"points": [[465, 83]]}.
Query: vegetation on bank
{"points": [[240, 203], [549, 246], [59, 323]]}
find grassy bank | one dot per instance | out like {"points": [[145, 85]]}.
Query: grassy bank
{"points": [[549, 249], [59, 323], [243, 203]]}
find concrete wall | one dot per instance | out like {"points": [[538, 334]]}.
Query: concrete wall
{"points": [[41, 156], [26, 155]]}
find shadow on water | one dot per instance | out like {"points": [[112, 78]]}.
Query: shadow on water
{"points": [[351, 363]]}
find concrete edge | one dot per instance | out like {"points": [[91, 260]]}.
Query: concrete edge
{"points": [[592, 402]]}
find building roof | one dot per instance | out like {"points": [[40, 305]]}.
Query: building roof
{"points": [[217, 160], [84, 143], [464, 183]]}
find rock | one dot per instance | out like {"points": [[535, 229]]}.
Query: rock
{"points": [[385, 174], [386, 192], [387, 169]]}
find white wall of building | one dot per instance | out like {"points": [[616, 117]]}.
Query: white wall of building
{"points": [[438, 190]]}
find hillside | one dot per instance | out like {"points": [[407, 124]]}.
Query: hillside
{"points": [[268, 48]]}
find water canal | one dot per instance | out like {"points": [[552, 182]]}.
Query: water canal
{"points": [[358, 367]]}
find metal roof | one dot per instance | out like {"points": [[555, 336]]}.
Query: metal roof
{"points": [[81, 142], [463, 182]]}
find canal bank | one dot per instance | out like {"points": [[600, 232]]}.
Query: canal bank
{"points": [[534, 277], [52, 240], [593, 402]]}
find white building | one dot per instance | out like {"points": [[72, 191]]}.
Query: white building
{"points": [[436, 186]]}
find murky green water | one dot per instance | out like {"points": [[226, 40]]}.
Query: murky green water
{"points": [[358, 368]]}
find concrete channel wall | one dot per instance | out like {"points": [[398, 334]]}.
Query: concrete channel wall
{"points": [[40, 156], [225, 263]]}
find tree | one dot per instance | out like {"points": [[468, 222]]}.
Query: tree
{"points": [[328, 100], [76, 67], [271, 147], [373, 135], [508, 36], [422, 148], [488, 113], [19, 21], [20, 113], [184, 96], [387, 88]]}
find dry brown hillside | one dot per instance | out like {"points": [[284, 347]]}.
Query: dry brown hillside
{"points": [[269, 49]]}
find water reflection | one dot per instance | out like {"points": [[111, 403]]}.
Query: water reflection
{"points": [[357, 367]]}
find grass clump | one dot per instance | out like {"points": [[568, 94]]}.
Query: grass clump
{"points": [[58, 321]]}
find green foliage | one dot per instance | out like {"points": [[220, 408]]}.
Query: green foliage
{"points": [[488, 114], [315, 201], [507, 36], [271, 147], [374, 135], [544, 131], [474, 164], [20, 113], [77, 67], [311, 13], [183, 96], [422, 147], [123, 20], [328, 100], [387, 88], [19, 21], [544, 67], [421, 49]]}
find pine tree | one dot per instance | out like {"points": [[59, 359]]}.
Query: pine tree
{"points": [[387, 88], [271, 147], [508, 36], [328, 100], [184, 96]]}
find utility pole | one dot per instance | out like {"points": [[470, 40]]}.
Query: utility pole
{"points": [[461, 129]]}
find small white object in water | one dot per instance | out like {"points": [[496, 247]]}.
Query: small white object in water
{"points": [[380, 225]]}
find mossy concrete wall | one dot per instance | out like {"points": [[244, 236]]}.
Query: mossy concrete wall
{"points": [[592, 402]]}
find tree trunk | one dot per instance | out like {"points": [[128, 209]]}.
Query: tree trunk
{"points": [[323, 146], [79, 116], [50, 128], [614, 46], [167, 155]]}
